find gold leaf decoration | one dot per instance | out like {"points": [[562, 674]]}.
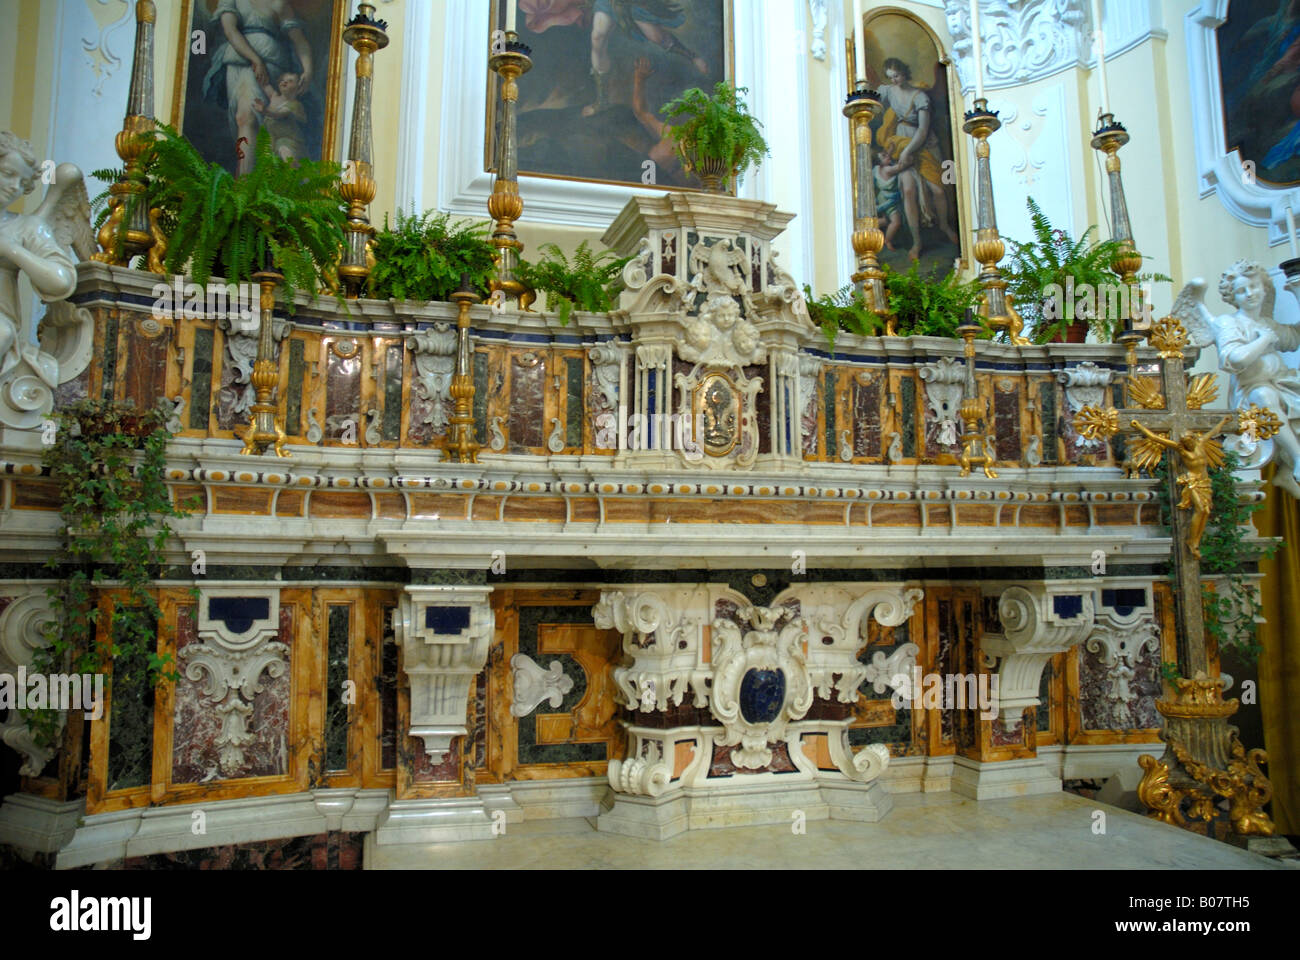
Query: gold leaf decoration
{"points": [[1202, 390], [1259, 423], [1095, 424], [1145, 392], [1169, 337]]}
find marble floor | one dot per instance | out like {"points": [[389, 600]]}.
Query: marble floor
{"points": [[929, 831]]}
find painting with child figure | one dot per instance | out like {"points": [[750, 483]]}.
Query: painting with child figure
{"points": [[602, 70], [1259, 66], [914, 158], [253, 65]]}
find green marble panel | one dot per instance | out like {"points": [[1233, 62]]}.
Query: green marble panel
{"points": [[336, 706], [130, 723], [293, 401], [573, 404], [481, 396], [530, 751], [201, 380], [393, 393], [110, 357], [907, 387], [828, 402]]}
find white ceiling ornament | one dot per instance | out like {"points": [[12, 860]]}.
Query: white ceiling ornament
{"points": [[1219, 170]]}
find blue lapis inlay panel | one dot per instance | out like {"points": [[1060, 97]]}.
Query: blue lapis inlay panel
{"points": [[762, 694]]}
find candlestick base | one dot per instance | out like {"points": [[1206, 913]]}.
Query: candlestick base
{"points": [[1291, 268]]}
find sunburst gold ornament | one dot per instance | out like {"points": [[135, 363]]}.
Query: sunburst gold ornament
{"points": [[1096, 424], [1169, 337], [1145, 392], [1259, 423], [1202, 390]]}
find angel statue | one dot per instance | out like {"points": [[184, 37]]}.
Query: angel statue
{"points": [[1250, 348], [37, 245], [1198, 452]]}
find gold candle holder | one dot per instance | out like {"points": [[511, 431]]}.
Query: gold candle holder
{"points": [[131, 228], [505, 205], [973, 453], [460, 444], [998, 308], [365, 35], [861, 108], [264, 431]]}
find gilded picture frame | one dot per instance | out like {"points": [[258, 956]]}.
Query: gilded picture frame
{"points": [[894, 34], [303, 121], [555, 142]]}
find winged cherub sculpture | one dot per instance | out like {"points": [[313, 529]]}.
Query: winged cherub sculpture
{"points": [[1250, 348], [36, 245]]}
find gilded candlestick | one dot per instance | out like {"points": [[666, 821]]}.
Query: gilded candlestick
{"points": [[973, 453], [511, 61], [366, 35], [861, 108], [998, 308], [131, 228], [264, 431], [460, 444], [1109, 137]]}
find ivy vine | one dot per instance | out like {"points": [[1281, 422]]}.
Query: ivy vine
{"points": [[108, 460]]}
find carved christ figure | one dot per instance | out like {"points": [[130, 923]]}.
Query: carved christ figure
{"points": [[1198, 452]]}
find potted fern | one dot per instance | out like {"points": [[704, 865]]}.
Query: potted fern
{"points": [[1051, 276], [425, 257], [283, 213], [718, 138], [922, 306], [591, 282]]}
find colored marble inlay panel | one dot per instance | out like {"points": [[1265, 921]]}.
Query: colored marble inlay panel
{"points": [[871, 706], [293, 401], [78, 388], [201, 379], [336, 707], [1120, 695], [325, 851], [343, 399], [1117, 442], [110, 355], [393, 393], [907, 399], [130, 728], [832, 431], [146, 369], [1045, 698], [527, 407], [388, 654], [1006, 412], [573, 403], [481, 396], [866, 419], [1047, 413], [531, 749], [425, 770], [196, 725], [721, 764]]}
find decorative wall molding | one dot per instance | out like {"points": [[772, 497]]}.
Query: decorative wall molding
{"points": [[1029, 40], [1221, 171], [1039, 620], [235, 649], [435, 363], [22, 633], [817, 10], [445, 633], [533, 684]]}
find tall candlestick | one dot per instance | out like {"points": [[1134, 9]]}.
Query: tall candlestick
{"points": [[977, 49], [859, 43], [512, 15], [1290, 231], [1100, 34]]}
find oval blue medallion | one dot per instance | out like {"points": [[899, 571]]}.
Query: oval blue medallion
{"points": [[762, 693]]}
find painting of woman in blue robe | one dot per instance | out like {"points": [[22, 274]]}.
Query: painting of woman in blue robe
{"points": [[1259, 64]]}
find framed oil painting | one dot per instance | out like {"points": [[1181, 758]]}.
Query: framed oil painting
{"points": [[914, 145], [1259, 70], [602, 70], [246, 65]]}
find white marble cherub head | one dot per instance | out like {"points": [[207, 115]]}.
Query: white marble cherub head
{"points": [[1245, 285], [17, 168]]}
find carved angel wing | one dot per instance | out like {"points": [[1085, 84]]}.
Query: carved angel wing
{"points": [[66, 211], [1145, 454], [1190, 309]]}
